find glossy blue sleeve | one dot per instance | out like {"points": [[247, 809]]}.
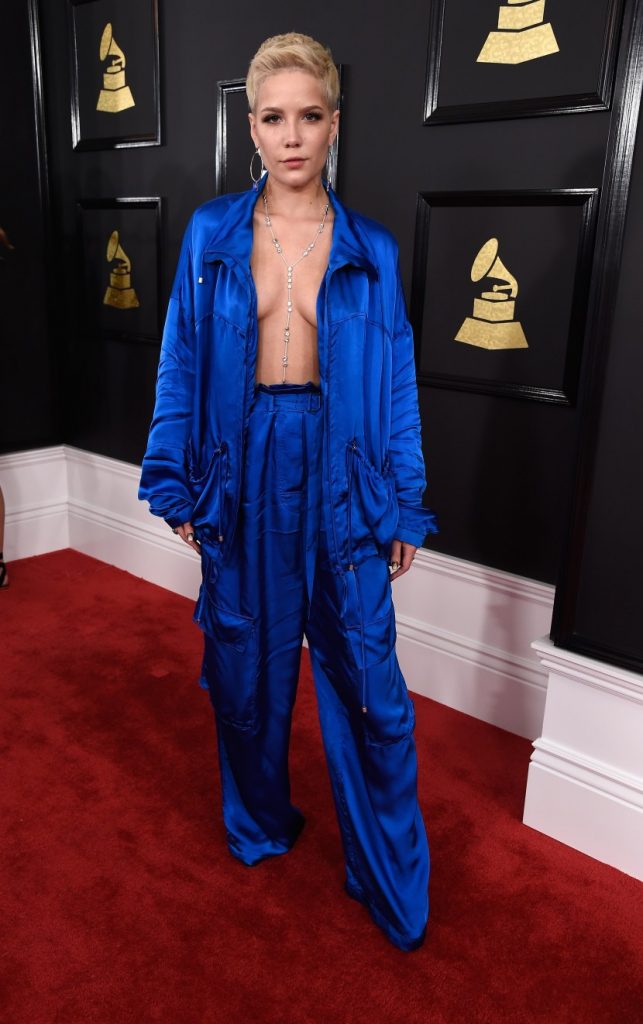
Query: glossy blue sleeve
{"points": [[163, 480], [405, 448]]}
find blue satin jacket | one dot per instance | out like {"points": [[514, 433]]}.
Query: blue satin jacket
{"points": [[373, 467]]}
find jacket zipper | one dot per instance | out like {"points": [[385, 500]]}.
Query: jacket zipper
{"points": [[252, 319], [327, 398]]}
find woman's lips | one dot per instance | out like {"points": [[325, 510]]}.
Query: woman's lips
{"points": [[295, 161]]}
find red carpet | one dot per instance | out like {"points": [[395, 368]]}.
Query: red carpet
{"points": [[121, 902]]}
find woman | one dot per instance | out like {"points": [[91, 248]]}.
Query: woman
{"points": [[285, 449]]}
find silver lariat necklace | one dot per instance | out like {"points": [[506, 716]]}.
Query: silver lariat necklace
{"points": [[290, 267]]}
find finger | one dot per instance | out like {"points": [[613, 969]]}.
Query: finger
{"points": [[408, 554], [191, 539], [395, 559], [187, 534], [406, 558]]}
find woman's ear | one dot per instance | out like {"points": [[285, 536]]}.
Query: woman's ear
{"points": [[251, 119], [334, 126]]}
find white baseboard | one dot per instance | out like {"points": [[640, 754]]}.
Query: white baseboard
{"points": [[34, 484], [107, 521], [464, 630], [585, 780], [464, 639]]}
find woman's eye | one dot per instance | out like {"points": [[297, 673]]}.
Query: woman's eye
{"points": [[310, 115]]}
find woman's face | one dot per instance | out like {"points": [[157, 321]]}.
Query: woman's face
{"points": [[291, 121]]}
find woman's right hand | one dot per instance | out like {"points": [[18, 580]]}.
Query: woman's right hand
{"points": [[186, 533]]}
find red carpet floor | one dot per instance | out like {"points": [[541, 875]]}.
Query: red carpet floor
{"points": [[121, 902]]}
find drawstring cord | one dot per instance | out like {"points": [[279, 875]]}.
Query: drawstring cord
{"points": [[352, 568], [221, 451]]}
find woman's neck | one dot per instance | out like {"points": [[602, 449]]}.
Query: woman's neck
{"points": [[296, 204]]}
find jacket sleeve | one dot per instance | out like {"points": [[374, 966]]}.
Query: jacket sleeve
{"points": [[164, 471], [405, 448]]}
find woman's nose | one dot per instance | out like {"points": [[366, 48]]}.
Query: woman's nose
{"points": [[293, 133]]}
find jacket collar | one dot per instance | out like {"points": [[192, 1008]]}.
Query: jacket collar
{"points": [[233, 234]]}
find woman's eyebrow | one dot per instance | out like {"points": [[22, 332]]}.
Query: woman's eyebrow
{"points": [[278, 110]]}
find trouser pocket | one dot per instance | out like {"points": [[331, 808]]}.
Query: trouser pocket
{"points": [[230, 664], [368, 615]]}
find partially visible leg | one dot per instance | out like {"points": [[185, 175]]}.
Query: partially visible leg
{"points": [[256, 608], [371, 755], [4, 576]]}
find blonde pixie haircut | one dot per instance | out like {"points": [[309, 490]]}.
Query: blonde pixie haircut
{"points": [[293, 50]]}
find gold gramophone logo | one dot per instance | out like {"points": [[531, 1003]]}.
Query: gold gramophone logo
{"points": [[522, 34], [120, 292], [492, 324], [115, 95]]}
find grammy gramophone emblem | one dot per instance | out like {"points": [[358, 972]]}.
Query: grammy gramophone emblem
{"points": [[492, 324], [522, 34], [120, 292], [115, 95]]}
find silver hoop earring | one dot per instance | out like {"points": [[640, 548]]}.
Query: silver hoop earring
{"points": [[254, 180], [328, 172]]}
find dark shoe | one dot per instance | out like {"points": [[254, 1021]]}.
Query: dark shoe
{"points": [[4, 578]]}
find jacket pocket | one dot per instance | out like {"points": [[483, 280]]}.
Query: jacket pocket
{"points": [[373, 509], [208, 488], [230, 662]]}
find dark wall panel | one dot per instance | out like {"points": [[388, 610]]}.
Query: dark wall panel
{"points": [[29, 382], [609, 612]]}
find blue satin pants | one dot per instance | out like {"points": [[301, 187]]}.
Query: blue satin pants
{"points": [[277, 585]]}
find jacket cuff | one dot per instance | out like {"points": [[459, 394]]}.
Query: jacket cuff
{"points": [[414, 524], [410, 537], [179, 517]]}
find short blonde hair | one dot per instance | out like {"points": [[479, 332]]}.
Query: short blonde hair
{"points": [[293, 50]]}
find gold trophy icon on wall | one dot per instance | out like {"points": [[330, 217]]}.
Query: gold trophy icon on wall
{"points": [[522, 34], [119, 292], [492, 324], [115, 95]]}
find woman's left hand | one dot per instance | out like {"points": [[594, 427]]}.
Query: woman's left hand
{"points": [[403, 553]]}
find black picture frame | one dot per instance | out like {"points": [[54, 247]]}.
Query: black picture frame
{"points": [[128, 34], [233, 148], [460, 86], [138, 223], [552, 243]]}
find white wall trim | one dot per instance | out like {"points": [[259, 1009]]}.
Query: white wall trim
{"points": [[589, 671], [522, 670], [585, 779], [492, 579], [464, 630], [35, 490], [588, 771]]}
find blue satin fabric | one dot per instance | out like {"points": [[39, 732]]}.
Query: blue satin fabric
{"points": [[255, 606]]}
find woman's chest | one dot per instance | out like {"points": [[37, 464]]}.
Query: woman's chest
{"points": [[288, 281]]}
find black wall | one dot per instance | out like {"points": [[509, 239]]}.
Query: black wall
{"points": [[501, 469], [28, 382], [599, 609]]}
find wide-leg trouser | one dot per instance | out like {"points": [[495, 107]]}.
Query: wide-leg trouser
{"points": [[276, 585]]}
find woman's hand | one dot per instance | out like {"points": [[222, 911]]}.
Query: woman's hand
{"points": [[403, 553], [186, 533]]}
